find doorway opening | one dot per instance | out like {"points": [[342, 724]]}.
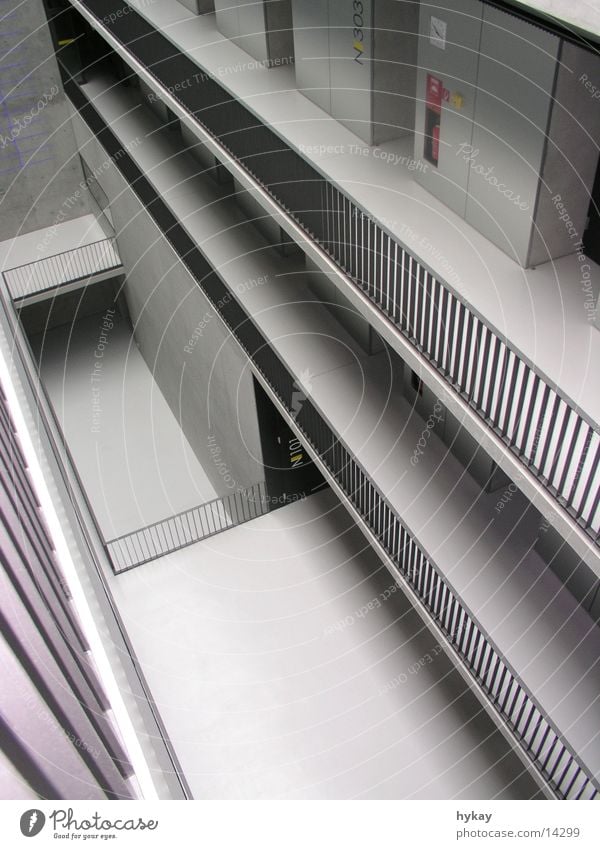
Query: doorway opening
{"points": [[290, 473]]}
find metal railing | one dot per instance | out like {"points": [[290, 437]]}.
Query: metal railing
{"points": [[561, 767], [541, 428], [542, 742], [555, 443], [186, 528], [50, 272]]}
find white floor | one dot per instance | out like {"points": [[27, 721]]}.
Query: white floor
{"points": [[135, 463], [275, 680]]}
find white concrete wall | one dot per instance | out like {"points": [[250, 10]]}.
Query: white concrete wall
{"points": [[262, 29], [207, 385]]}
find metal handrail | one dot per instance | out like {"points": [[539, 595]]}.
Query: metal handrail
{"points": [[45, 273], [187, 527]]}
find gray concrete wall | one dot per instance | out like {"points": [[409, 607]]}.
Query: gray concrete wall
{"points": [[572, 571], [268, 226], [66, 308], [280, 33], [424, 402], [460, 443], [472, 456], [207, 385], [198, 150], [255, 213], [154, 103], [394, 69], [208, 162], [39, 166], [571, 158]]}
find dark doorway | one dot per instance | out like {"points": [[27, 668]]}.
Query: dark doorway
{"points": [[289, 471]]}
